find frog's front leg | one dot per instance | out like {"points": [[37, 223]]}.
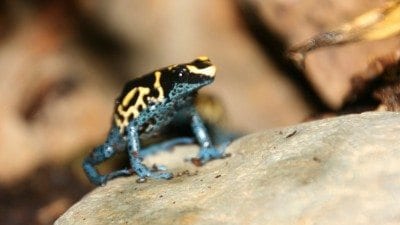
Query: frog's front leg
{"points": [[207, 149], [99, 155], [135, 160]]}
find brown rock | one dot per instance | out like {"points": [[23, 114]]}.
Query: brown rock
{"points": [[343, 170], [331, 69]]}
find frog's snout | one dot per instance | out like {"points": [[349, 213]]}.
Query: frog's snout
{"points": [[210, 71]]}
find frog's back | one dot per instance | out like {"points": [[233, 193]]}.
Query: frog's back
{"points": [[172, 84], [136, 96]]}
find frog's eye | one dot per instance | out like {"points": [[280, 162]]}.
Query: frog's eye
{"points": [[183, 72]]}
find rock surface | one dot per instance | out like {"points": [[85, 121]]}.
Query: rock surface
{"points": [[344, 170], [337, 65]]}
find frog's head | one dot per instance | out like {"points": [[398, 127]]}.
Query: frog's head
{"points": [[183, 79]]}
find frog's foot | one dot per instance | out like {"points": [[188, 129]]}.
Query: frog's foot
{"points": [[101, 180], [112, 175], [94, 176], [143, 172], [98, 180], [208, 154]]}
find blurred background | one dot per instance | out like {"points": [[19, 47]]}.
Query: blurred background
{"points": [[62, 64]]}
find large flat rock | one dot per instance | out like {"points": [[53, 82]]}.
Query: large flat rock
{"points": [[344, 170]]}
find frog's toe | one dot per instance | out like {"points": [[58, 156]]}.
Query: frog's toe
{"points": [[115, 174], [143, 172], [99, 181], [156, 175], [207, 154], [210, 153], [162, 175], [158, 167]]}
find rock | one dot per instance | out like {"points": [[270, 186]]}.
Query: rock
{"points": [[336, 65], [342, 170]]}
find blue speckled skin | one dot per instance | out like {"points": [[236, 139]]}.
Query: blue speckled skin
{"points": [[180, 92]]}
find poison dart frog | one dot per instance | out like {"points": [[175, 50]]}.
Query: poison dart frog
{"points": [[146, 106]]}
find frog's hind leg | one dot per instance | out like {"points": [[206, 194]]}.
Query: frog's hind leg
{"points": [[99, 155], [165, 145]]}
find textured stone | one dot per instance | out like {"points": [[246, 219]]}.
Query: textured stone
{"points": [[298, 21], [344, 170]]}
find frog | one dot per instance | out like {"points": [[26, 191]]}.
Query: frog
{"points": [[145, 107]]}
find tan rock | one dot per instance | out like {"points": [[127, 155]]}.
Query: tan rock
{"points": [[337, 66], [343, 170]]}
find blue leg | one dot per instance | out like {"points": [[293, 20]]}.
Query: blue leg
{"points": [[99, 155], [163, 146], [134, 157], [207, 150]]}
